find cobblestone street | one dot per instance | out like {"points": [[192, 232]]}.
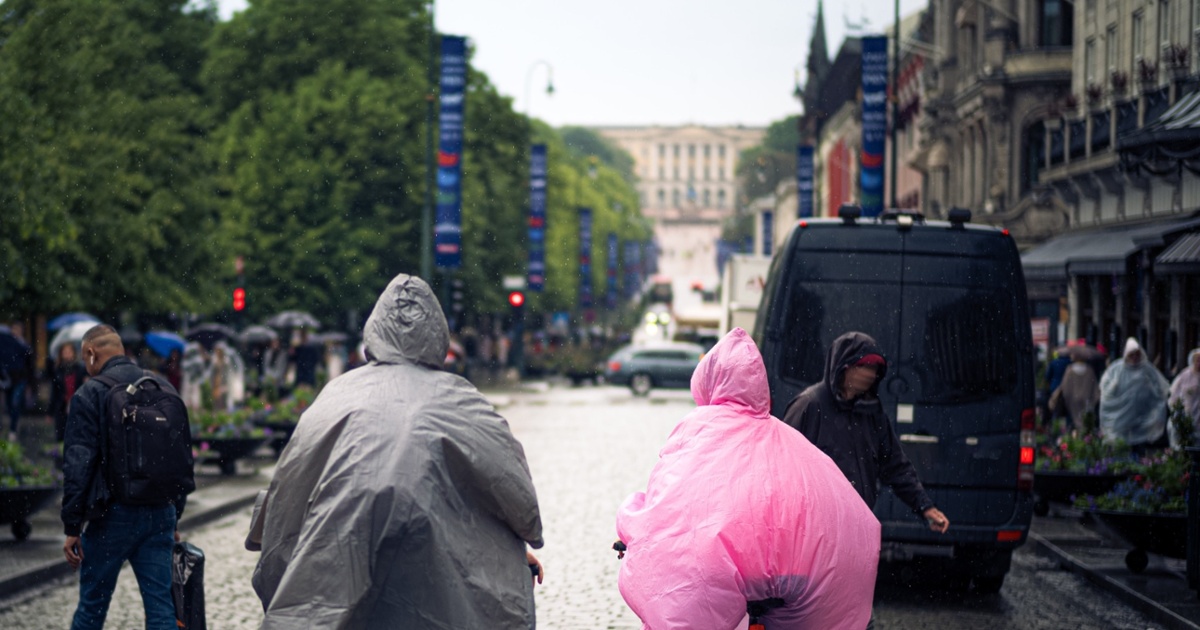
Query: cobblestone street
{"points": [[588, 448]]}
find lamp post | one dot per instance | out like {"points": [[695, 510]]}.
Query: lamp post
{"points": [[427, 211], [529, 79]]}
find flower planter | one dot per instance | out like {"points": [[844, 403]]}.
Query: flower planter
{"points": [[1162, 534], [229, 450], [1060, 485], [18, 504], [281, 433]]}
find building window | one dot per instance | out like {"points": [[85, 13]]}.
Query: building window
{"points": [[662, 172], [1139, 35], [1112, 47], [662, 150], [1090, 11], [721, 173], [707, 198], [675, 198], [662, 198], [707, 173], [691, 173], [676, 151], [707, 150], [721, 148], [1195, 14], [1057, 21], [691, 150], [721, 198], [1089, 61]]}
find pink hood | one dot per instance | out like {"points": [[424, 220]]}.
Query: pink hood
{"points": [[742, 507]]}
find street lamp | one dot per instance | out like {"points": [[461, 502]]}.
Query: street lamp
{"points": [[529, 79]]}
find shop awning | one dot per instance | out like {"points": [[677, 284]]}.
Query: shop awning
{"points": [[1179, 124], [1097, 252], [1181, 257]]}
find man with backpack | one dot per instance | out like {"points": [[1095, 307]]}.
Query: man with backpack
{"points": [[127, 473]]}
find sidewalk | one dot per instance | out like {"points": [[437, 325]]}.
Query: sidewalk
{"points": [[1083, 546], [40, 558]]}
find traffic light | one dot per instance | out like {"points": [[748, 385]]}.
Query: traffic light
{"points": [[516, 299], [239, 299]]}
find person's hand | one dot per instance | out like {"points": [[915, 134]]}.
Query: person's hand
{"points": [[73, 551], [937, 521], [532, 561]]}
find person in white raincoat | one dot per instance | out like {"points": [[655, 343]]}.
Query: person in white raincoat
{"points": [[1133, 399], [402, 499]]}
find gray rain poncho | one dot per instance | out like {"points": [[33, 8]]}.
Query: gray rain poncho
{"points": [[1133, 399], [402, 499]]}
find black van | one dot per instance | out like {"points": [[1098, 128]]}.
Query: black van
{"points": [[946, 303]]}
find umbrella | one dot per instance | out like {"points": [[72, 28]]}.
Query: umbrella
{"points": [[330, 337], [210, 333], [13, 352], [66, 319], [293, 319], [163, 342], [258, 334], [71, 333], [1089, 353]]}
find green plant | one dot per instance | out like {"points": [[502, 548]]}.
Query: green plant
{"points": [[207, 425], [1157, 485], [1183, 424], [16, 470], [1084, 453]]}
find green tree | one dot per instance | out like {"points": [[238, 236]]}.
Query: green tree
{"points": [[105, 199], [762, 167]]}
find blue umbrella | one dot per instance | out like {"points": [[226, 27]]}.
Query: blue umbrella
{"points": [[66, 319], [163, 342]]}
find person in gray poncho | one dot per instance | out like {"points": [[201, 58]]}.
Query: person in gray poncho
{"points": [[1133, 399], [402, 499]]}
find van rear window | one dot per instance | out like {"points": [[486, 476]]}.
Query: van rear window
{"points": [[961, 343]]}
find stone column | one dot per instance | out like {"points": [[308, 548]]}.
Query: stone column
{"points": [[1074, 323], [1178, 299]]}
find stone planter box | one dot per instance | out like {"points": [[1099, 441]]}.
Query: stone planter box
{"points": [[229, 450], [18, 504], [1162, 534], [1061, 485]]}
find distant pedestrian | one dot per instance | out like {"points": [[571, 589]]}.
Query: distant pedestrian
{"points": [[1056, 369], [1185, 390], [742, 508], [15, 378], [307, 356], [1079, 392], [843, 417], [67, 377], [1133, 399], [140, 530], [402, 499], [172, 368]]}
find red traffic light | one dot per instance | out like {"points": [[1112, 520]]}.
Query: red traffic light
{"points": [[239, 299], [516, 299]]}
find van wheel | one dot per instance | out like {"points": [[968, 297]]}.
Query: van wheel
{"points": [[21, 529], [989, 585], [1136, 560], [1041, 507], [641, 384]]}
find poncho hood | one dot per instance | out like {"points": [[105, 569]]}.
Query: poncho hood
{"points": [[845, 351], [407, 324], [732, 373]]}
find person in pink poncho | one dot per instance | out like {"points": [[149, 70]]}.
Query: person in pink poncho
{"points": [[741, 507]]}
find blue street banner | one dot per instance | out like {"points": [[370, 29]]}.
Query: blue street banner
{"points": [[874, 123], [633, 271], [768, 232], [610, 294], [537, 218], [585, 257], [804, 180], [447, 232]]}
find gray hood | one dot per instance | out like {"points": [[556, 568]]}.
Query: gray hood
{"points": [[407, 325]]}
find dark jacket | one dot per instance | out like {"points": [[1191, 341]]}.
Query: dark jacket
{"points": [[857, 435], [58, 386], [81, 448]]}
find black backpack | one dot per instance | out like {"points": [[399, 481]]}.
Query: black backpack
{"points": [[146, 442]]}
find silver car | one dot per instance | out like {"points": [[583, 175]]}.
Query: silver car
{"points": [[644, 367]]}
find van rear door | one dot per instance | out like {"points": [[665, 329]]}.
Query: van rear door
{"points": [[956, 377]]}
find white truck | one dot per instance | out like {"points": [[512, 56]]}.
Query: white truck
{"points": [[741, 289]]}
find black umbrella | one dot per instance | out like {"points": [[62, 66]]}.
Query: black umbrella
{"points": [[330, 337], [209, 334], [13, 352], [293, 319], [258, 334]]}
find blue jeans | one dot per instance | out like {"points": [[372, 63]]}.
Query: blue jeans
{"points": [[145, 537]]}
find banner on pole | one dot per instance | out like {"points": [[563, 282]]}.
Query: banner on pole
{"points": [[610, 294], [804, 180], [874, 123], [447, 232], [537, 217], [633, 272], [585, 257]]}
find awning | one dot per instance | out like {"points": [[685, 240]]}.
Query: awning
{"points": [[1173, 135], [1097, 252], [1181, 257]]}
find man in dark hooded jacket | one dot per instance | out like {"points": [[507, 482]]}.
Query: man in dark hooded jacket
{"points": [[843, 417]]}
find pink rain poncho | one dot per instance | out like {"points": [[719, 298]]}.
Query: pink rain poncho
{"points": [[742, 507]]}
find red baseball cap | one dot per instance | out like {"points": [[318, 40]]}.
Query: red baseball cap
{"points": [[871, 359]]}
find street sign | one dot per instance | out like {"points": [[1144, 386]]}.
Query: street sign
{"points": [[514, 283]]}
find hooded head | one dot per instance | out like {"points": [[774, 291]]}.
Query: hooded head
{"points": [[850, 349], [1193, 360], [1133, 354], [732, 373], [407, 325]]}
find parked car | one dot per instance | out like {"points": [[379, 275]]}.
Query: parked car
{"points": [[644, 367], [946, 302]]}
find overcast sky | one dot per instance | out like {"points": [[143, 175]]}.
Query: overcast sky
{"points": [[641, 62]]}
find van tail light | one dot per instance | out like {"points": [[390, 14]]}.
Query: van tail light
{"points": [[1026, 461], [614, 366]]}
